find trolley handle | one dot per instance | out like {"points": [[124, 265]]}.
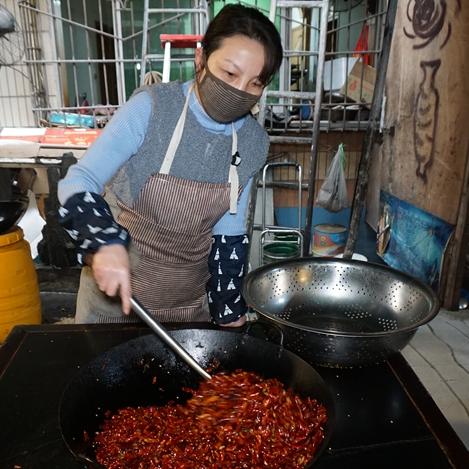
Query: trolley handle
{"points": [[264, 177]]}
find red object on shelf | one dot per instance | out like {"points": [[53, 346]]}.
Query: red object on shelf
{"points": [[362, 45], [66, 137], [181, 41], [51, 135]]}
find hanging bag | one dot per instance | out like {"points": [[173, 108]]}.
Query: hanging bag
{"points": [[333, 193]]}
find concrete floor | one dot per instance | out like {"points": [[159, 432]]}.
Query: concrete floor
{"points": [[439, 355]]}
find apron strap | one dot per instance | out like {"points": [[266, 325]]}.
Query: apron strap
{"points": [[176, 137], [233, 178]]}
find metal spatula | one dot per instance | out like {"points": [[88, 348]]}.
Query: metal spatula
{"points": [[163, 334]]}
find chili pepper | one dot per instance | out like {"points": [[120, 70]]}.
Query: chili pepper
{"points": [[234, 420]]}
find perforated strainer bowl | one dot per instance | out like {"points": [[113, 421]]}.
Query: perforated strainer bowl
{"points": [[340, 312]]}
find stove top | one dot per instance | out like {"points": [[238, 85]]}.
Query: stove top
{"points": [[385, 418]]}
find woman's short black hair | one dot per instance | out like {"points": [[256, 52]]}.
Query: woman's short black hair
{"points": [[236, 19]]}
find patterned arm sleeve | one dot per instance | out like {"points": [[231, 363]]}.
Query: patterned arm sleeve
{"points": [[88, 220], [226, 266]]}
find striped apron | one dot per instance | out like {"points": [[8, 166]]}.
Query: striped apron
{"points": [[170, 225]]}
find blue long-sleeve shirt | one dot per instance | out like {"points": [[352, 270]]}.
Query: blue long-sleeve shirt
{"points": [[122, 138]]}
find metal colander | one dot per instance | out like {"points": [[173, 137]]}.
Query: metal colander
{"points": [[340, 312]]}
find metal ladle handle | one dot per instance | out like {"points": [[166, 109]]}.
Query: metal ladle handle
{"points": [[163, 334]]}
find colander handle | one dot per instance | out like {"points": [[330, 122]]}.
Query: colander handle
{"points": [[267, 327]]}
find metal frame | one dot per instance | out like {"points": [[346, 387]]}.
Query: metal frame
{"points": [[323, 6], [49, 63], [296, 132], [337, 113], [273, 230], [200, 21], [52, 66]]}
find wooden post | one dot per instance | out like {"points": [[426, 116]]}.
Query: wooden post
{"points": [[459, 249]]}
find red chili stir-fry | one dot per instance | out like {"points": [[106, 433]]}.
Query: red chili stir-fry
{"points": [[234, 420]]}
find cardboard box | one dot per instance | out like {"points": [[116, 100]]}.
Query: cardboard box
{"points": [[351, 78], [360, 84]]}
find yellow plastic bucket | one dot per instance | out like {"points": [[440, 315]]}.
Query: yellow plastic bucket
{"points": [[20, 302]]}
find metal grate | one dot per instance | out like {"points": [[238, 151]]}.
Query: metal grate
{"points": [[83, 57], [289, 119]]}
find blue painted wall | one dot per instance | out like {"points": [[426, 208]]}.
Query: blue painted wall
{"points": [[287, 216]]}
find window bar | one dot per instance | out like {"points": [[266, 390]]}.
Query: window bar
{"points": [[362, 76], [169, 25], [179, 29], [53, 23], [284, 83], [134, 43], [144, 46], [11, 104], [88, 48], [104, 65], [119, 52], [180, 21], [65, 20], [26, 80], [331, 89], [349, 56], [72, 45], [36, 71], [28, 83]]}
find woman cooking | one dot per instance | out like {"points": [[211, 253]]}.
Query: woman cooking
{"points": [[157, 205]]}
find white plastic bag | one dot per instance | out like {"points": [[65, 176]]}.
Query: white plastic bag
{"points": [[333, 193]]}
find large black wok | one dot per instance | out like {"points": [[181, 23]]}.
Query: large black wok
{"points": [[11, 211], [123, 376]]}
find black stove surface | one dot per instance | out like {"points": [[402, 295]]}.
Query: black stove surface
{"points": [[385, 418]]}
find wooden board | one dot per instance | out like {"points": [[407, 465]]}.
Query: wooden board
{"points": [[423, 154]]}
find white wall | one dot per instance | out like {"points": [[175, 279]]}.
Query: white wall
{"points": [[16, 104], [15, 89]]}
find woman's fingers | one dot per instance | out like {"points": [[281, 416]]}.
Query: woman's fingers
{"points": [[126, 293], [240, 322], [112, 274]]}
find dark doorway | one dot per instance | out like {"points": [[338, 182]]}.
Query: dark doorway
{"points": [[107, 71]]}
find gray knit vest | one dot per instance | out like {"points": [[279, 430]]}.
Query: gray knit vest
{"points": [[201, 156]]}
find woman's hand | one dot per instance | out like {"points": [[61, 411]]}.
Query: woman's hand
{"points": [[240, 322], [111, 271]]}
